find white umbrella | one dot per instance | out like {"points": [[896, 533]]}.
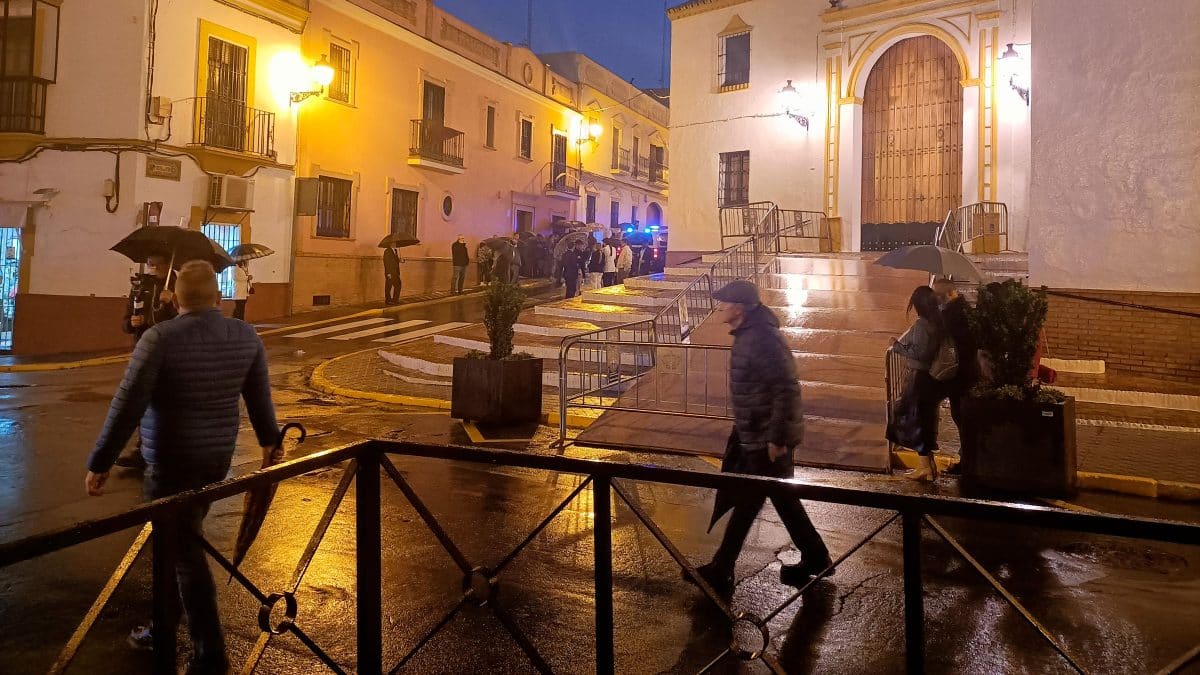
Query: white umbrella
{"points": [[933, 259]]}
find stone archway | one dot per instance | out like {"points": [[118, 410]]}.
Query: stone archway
{"points": [[654, 214], [912, 142]]}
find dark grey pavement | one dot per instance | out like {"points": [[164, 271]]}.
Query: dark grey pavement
{"points": [[1122, 606]]}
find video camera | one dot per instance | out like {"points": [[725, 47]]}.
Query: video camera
{"points": [[141, 287]]}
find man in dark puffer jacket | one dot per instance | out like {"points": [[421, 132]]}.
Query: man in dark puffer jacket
{"points": [[768, 425], [183, 383]]}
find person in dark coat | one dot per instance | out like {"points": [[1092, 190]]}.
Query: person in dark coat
{"points": [[572, 268], [502, 262], [955, 320], [183, 384], [151, 301], [768, 426], [391, 277], [459, 260], [517, 262], [484, 259]]}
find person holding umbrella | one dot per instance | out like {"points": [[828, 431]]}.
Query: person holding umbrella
{"points": [[183, 384], [391, 276], [243, 281]]}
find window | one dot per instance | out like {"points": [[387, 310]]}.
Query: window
{"points": [[489, 135], [404, 211], [637, 155], [28, 63], [733, 69], [333, 207], [733, 185], [226, 236], [614, 213], [525, 142], [341, 88], [225, 117], [633, 215], [616, 153], [447, 206], [591, 209], [524, 220]]}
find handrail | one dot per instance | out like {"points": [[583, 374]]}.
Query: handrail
{"points": [[370, 463], [960, 229]]}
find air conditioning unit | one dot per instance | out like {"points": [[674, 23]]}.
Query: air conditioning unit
{"points": [[231, 192]]}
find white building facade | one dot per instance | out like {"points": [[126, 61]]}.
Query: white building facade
{"points": [[146, 103]]}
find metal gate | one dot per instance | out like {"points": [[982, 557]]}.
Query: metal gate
{"points": [[10, 246]]}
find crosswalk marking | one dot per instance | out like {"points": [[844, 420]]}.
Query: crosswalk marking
{"points": [[337, 328], [403, 337], [387, 328]]}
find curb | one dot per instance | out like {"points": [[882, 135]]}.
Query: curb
{"points": [[322, 384], [63, 365], [1138, 486]]}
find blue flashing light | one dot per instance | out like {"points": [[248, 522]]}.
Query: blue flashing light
{"points": [[654, 228]]}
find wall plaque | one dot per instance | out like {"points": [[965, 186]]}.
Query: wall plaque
{"points": [[167, 169]]}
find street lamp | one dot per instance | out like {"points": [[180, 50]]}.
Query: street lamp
{"points": [[792, 104], [321, 75], [1013, 64]]}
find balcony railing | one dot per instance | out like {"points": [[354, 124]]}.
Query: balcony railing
{"points": [[622, 161], [563, 178], [643, 168], [658, 173], [231, 125], [23, 105], [435, 141]]}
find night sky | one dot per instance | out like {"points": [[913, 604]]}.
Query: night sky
{"points": [[625, 36]]}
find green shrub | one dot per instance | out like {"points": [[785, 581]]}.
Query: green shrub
{"points": [[502, 305], [1006, 322]]}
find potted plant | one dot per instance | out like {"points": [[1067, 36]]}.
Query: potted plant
{"points": [[499, 387], [1017, 436]]}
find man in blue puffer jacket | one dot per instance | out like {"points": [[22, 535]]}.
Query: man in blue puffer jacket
{"points": [[183, 384]]}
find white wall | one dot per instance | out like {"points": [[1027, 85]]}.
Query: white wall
{"points": [[785, 159], [1115, 201]]}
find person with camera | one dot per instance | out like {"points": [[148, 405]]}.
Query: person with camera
{"points": [[151, 301]]}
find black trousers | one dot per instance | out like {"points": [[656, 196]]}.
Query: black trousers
{"points": [[608, 279], [572, 284], [391, 288], [806, 538], [194, 593]]}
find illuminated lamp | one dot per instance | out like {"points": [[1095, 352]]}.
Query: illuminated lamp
{"points": [[321, 75]]}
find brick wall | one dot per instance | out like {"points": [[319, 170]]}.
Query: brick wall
{"points": [[1129, 340]]}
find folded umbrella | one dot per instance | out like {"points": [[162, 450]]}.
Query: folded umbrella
{"points": [[243, 252], [933, 259], [179, 244], [258, 500], [398, 241]]}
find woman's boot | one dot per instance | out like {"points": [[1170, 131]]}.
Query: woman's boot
{"points": [[926, 470]]}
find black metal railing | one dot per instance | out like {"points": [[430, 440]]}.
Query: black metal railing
{"points": [[622, 160], [231, 125], [368, 461], [658, 173], [562, 178], [642, 168], [435, 141], [22, 105]]}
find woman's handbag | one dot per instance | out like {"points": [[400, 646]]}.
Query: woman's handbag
{"points": [[945, 363]]}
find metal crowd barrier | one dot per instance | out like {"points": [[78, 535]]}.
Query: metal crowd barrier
{"points": [[975, 228], [481, 579], [896, 374]]}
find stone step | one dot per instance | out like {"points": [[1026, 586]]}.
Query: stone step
{"points": [[844, 401], [659, 282], [688, 271], [890, 322], [785, 264], [898, 286], [542, 347], [800, 298], [532, 323], [577, 309], [840, 342], [632, 297], [839, 369], [853, 443]]}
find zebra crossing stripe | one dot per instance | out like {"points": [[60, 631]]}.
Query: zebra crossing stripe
{"points": [[413, 334], [337, 328], [388, 328]]}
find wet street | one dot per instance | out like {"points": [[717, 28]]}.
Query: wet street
{"points": [[1119, 606]]}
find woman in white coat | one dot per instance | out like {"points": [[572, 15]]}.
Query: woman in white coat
{"points": [[242, 288]]}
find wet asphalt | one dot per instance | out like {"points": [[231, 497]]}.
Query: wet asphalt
{"points": [[1118, 605]]}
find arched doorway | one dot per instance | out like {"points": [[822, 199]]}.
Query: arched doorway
{"points": [[912, 143], [654, 214]]}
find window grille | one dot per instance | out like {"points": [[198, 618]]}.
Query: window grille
{"points": [[333, 207], [227, 237], [341, 88], [526, 138], [733, 186], [733, 60]]}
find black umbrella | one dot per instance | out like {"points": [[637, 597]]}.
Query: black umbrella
{"points": [[497, 243], [398, 241], [243, 252], [258, 500], [179, 244]]}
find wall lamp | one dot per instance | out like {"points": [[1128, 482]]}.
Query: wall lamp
{"points": [[1013, 62], [321, 74], [792, 103]]}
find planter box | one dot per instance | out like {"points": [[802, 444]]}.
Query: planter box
{"points": [[1018, 448], [497, 392]]}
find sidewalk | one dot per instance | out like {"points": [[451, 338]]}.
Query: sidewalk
{"points": [[50, 362]]}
